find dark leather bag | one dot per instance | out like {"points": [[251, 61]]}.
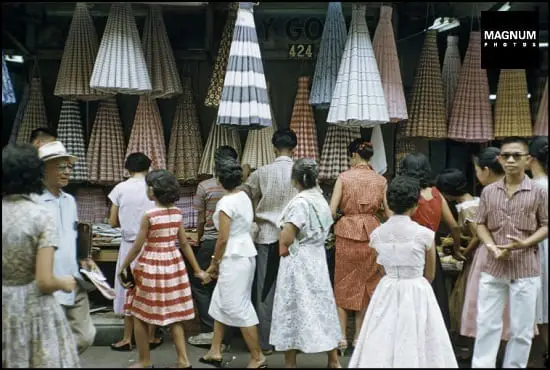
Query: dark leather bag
{"points": [[84, 240]]}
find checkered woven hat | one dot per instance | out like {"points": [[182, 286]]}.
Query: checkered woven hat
{"points": [[541, 122], [120, 66], [244, 102], [92, 204], [512, 111], [385, 51], [147, 134], [35, 113], [214, 93], [70, 133], [471, 117], [331, 49], [185, 148], [334, 156], [427, 111], [20, 113], [79, 55], [8, 95], [403, 147], [302, 123], [451, 71], [358, 97], [106, 148], [159, 56], [218, 136]]}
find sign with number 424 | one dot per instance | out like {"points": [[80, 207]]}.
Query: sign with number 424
{"points": [[300, 51]]}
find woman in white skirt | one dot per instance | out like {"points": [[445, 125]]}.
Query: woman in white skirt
{"points": [[234, 264], [403, 325], [305, 317]]}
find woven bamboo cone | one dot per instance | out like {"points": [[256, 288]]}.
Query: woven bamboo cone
{"points": [[35, 113], [302, 123], [218, 136], [512, 111], [70, 133], [451, 71], [541, 122], [334, 154], [20, 113]]}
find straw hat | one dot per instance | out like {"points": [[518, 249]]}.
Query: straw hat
{"points": [[54, 150]]}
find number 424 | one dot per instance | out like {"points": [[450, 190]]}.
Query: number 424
{"points": [[300, 51]]}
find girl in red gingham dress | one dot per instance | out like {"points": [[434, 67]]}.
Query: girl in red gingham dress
{"points": [[162, 294]]}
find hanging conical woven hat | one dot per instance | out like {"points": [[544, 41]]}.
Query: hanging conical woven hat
{"points": [[451, 71], [159, 56], [512, 111], [333, 42], [70, 133], [147, 134], [471, 117], [218, 136], [302, 123], [244, 103], [334, 155], [385, 51], [20, 113], [185, 147], [35, 113], [79, 55], [358, 97], [258, 149], [403, 147], [106, 148], [8, 95], [541, 122], [214, 93], [120, 66], [427, 112]]}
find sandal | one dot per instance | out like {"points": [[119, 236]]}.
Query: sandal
{"points": [[124, 348], [211, 361], [342, 347], [153, 345]]}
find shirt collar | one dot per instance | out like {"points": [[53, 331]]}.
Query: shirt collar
{"points": [[524, 185], [47, 196], [283, 158]]}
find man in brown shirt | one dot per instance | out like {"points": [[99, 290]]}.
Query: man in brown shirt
{"points": [[512, 218]]}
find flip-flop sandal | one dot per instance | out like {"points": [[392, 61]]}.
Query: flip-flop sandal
{"points": [[211, 361], [124, 348]]}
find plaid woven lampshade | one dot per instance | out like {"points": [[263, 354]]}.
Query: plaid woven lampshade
{"points": [[20, 113], [92, 204], [185, 147], [471, 118], [70, 133], [302, 122], [79, 55], [159, 56], [333, 42], [358, 97], [512, 111], [106, 148], [147, 134], [385, 51], [451, 71], [334, 155], [35, 113], [214, 92], [427, 111], [218, 136], [541, 122], [403, 147], [120, 66], [8, 95]]}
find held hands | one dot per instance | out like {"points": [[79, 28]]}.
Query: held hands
{"points": [[500, 251], [283, 251], [124, 279], [212, 271], [204, 276], [67, 283]]}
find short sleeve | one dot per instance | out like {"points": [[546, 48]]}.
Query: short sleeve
{"points": [[48, 235], [252, 185], [297, 214], [373, 238], [199, 198], [227, 206], [542, 209], [114, 195], [425, 237], [481, 214]]}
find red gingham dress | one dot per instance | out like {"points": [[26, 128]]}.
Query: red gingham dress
{"points": [[162, 295]]}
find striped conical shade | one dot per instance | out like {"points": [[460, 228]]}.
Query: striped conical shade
{"points": [[451, 71], [333, 42], [185, 147], [159, 56], [219, 135], [471, 118], [358, 97], [79, 55], [20, 113], [70, 133], [541, 122], [302, 123], [120, 66], [385, 51], [8, 95], [334, 156], [35, 113], [512, 111], [427, 112], [214, 93], [106, 148], [147, 134]]}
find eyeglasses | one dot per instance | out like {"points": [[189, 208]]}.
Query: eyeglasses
{"points": [[65, 168], [516, 156]]}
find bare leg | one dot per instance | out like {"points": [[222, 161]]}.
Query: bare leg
{"points": [[215, 352], [179, 340], [333, 361], [290, 359], [250, 335], [359, 316], [128, 332], [142, 342], [152, 332], [343, 317]]}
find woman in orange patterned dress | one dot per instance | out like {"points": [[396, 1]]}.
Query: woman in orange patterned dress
{"points": [[358, 193]]}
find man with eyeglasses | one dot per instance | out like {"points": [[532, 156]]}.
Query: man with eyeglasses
{"points": [[58, 165], [512, 219]]}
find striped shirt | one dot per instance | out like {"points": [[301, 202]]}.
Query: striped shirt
{"points": [[520, 215], [205, 200]]}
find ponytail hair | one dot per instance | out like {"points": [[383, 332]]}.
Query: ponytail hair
{"points": [[305, 172], [362, 147]]}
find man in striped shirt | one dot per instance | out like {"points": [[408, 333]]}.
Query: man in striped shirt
{"points": [[512, 219]]}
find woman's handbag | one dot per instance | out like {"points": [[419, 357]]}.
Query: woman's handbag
{"points": [[127, 278]]}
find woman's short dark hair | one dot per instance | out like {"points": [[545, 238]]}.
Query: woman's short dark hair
{"points": [[22, 170], [137, 162], [402, 194], [284, 138], [229, 173], [417, 165], [488, 157], [362, 147], [304, 172], [538, 149], [166, 188], [452, 182], [42, 132], [225, 151]]}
